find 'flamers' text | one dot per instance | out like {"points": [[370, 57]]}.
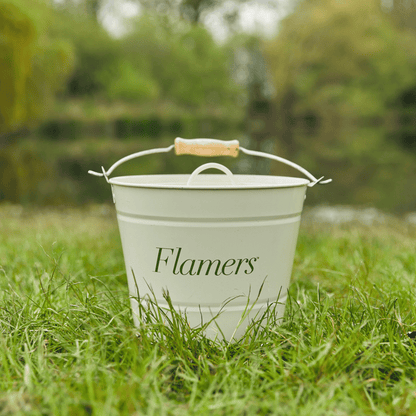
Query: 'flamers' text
{"points": [[166, 257]]}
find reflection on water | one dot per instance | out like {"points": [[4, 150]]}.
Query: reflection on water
{"points": [[368, 165]]}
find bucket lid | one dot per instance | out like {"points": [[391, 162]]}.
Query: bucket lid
{"points": [[208, 181]]}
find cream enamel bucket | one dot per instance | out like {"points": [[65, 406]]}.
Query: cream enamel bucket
{"points": [[222, 245]]}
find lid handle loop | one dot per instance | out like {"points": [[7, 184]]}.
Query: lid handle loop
{"points": [[206, 166]]}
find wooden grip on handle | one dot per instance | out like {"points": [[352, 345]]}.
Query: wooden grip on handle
{"points": [[206, 147]]}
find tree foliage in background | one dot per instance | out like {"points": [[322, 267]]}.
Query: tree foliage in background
{"points": [[190, 10], [167, 55], [102, 69], [180, 62], [403, 13], [339, 63], [96, 52], [33, 65], [87, 8], [17, 39], [48, 47], [340, 69], [159, 59]]}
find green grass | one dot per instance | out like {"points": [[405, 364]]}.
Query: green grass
{"points": [[68, 345]]}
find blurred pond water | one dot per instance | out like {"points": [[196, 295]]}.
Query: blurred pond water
{"points": [[366, 164]]}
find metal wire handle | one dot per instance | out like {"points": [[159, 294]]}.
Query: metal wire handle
{"points": [[211, 147]]}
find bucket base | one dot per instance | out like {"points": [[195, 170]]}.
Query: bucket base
{"points": [[226, 323]]}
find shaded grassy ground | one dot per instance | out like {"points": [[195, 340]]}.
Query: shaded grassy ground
{"points": [[68, 346]]}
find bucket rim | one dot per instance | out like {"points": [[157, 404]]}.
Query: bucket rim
{"points": [[179, 182]]}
